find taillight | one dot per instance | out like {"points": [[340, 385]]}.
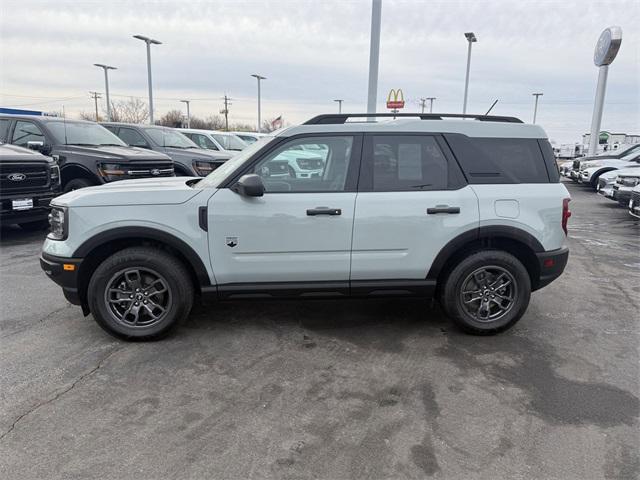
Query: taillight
{"points": [[566, 213]]}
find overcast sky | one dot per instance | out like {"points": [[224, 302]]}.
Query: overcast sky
{"points": [[315, 51]]}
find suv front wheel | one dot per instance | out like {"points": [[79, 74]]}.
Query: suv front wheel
{"points": [[140, 293], [487, 292]]}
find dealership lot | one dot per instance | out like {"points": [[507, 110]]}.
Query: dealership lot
{"points": [[332, 389]]}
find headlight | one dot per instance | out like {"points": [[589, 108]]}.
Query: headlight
{"points": [[107, 170], [203, 168], [55, 175], [629, 181], [58, 223]]}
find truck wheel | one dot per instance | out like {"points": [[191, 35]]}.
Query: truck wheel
{"points": [[76, 184], [487, 292], [140, 293], [35, 226]]}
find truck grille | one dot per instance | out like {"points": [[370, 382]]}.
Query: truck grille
{"points": [[16, 177]]}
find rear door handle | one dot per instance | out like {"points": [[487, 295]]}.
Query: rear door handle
{"points": [[323, 211], [442, 209]]}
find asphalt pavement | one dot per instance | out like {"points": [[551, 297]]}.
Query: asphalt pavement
{"points": [[332, 389]]}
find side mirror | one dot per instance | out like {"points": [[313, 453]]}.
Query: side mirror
{"points": [[249, 185], [37, 145]]}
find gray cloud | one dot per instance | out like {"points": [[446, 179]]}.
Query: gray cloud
{"points": [[315, 51]]}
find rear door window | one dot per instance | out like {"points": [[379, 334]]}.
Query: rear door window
{"points": [[406, 163]]}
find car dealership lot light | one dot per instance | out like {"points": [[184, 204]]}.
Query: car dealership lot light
{"points": [[471, 38], [106, 69], [149, 42]]}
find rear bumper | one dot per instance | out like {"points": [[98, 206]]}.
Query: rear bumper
{"points": [[551, 265], [64, 272]]}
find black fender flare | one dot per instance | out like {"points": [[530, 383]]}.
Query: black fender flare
{"points": [[481, 233], [147, 233]]}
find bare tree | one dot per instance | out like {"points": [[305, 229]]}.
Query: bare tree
{"points": [[132, 110], [90, 116], [173, 119]]}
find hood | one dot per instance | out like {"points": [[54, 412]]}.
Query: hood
{"points": [[111, 152], [197, 154], [144, 191], [628, 172], [13, 153], [605, 163]]}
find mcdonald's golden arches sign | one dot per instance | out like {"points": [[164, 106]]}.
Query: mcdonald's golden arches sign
{"points": [[395, 99]]}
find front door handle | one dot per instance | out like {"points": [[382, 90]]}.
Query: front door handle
{"points": [[323, 211], [442, 209]]}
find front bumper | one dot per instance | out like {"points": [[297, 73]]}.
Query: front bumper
{"points": [[622, 194], [551, 265], [634, 205], [64, 272], [39, 211]]}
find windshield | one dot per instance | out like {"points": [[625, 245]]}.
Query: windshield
{"points": [[165, 137], [219, 174], [81, 133], [229, 142], [631, 156]]}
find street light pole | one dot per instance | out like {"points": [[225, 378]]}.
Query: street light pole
{"points": [[423, 102], [431, 99], [258, 77], [374, 55], [106, 69], [535, 107], [188, 113], [471, 38], [339, 100], [149, 42]]}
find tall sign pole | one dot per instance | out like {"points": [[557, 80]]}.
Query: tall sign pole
{"points": [[374, 55], [606, 51]]}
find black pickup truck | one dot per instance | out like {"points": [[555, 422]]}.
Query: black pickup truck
{"points": [[28, 183], [87, 153]]}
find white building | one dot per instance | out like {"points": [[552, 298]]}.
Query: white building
{"points": [[610, 141]]}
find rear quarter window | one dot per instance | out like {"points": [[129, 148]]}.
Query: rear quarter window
{"points": [[488, 160]]}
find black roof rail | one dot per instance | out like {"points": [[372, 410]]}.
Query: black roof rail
{"points": [[338, 118]]}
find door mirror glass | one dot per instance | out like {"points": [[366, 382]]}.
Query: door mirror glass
{"points": [[37, 145], [250, 186]]}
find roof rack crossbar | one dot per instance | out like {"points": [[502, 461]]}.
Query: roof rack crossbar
{"points": [[338, 118]]}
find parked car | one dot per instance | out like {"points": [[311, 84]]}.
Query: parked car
{"points": [[590, 171], [626, 181], [469, 211], [249, 137], [217, 141], [608, 179], [189, 159], [634, 203], [87, 153], [28, 183], [618, 154]]}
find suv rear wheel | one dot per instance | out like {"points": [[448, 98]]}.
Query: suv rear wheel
{"points": [[140, 293], [487, 292]]}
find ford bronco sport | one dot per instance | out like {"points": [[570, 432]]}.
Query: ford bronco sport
{"points": [[470, 211], [87, 153]]}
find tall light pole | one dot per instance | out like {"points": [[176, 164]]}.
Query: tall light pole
{"points": [[339, 100], [374, 55], [535, 107], [258, 77], [149, 42], [471, 38], [106, 69], [606, 51], [188, 113], [431, 99], [423, 102]]}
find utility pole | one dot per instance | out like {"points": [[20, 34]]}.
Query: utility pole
{"points": [[374, 55], [339, 100], [535, 108], [188, 113], [95, 96], [431, 99], [225, 111], [423, 102]]}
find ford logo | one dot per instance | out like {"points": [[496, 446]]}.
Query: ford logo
{"points": [[16, 177], [155, 171]]}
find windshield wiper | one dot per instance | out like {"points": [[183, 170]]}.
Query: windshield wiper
{"points": [[176, 146], [422, 186], [83, 144], [112, 145]]}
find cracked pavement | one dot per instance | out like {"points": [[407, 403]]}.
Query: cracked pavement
{"points": [[332, 389]]}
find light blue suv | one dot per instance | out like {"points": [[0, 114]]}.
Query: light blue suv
{"points": [[470, 211]]}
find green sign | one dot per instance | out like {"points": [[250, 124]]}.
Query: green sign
{"points": [[603, 138]]}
